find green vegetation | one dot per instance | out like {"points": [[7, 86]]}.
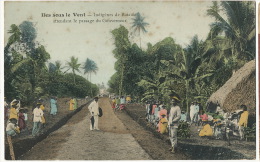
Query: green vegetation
{"points": [[29, 76], [193, 72]]}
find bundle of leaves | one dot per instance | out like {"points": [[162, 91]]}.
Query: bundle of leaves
{"points": [[183, 130], [250, 132]]}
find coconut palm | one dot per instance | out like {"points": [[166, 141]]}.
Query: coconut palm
{"points": [[139, 24], [74, 66], [90, 67], [238, 25]]}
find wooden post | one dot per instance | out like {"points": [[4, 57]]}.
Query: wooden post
{"points": [[9, 139]]}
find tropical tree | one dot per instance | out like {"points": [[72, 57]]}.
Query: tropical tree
{"points": [[139, 25], [90, 67], [74, 66], [238, 26], [121, 51]]}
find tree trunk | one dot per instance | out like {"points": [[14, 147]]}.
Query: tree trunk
{"points": [[121, 81], [187, 96], [90, 84]]}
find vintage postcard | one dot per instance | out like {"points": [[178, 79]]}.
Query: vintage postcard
{"points": [[129, 80]]}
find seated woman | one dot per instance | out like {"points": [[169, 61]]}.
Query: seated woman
{"points": [[163, 124], [203, 117], [12, 129], [206, 130]]}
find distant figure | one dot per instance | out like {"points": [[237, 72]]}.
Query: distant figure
{"points": [[192, 111], [21, 120], [53, 103], [94, 112], [122, 100], [128, 99], [37, 119], [12, 129], [43, 122], [71, 104], [14, 110], [196, 113], [75, 103], [113, 104], [183, 116], [243, 121]]}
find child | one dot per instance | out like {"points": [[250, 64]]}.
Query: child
{"points": [[12, 129], [163, 124]]}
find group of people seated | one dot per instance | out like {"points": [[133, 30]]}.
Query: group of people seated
{"points": [[118, 103], [215, 123]]}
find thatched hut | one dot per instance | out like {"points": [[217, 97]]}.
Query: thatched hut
{"points": [[239, 89]]}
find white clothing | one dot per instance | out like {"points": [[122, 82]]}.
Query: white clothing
{"points": [[25, 116], [174, 116], [10, 126], [5, 104], [95, 123], [93, 108], [37, 115], [192, 111]]}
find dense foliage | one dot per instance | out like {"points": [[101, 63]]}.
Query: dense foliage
{"points": [[193, 72], [27, 76]]}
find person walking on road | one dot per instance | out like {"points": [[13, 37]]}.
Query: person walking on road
{"points": [[94, 112], [53, 103], [37, 119], [174, 117]]}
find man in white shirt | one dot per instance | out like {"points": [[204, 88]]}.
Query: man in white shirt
{"points": [[94, 112], [37, 119], [174, 117]]}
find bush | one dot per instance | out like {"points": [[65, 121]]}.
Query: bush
{"points": [[183, 130]]}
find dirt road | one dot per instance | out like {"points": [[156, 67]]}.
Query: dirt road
{"points": [[74, 140]]}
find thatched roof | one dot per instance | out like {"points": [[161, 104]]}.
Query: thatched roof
{"points": [[239, 89]]}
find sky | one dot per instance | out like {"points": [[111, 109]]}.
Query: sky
{"points": [[179, 20]]}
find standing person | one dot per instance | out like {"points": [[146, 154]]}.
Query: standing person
{"points": [[128, 99], [192, 111], [243, 121], [122, 102], [114, 104], [21, 119], [196, 113], [71, 104], [174, 117], [37, 119], [75, 103], [53, 103], [117, 102], [94, 112], [14, 111], [43, 122]]}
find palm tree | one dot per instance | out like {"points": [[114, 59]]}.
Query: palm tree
{"points": [[90, 67], [186, 71], [74, 66], [238, 27], [139, 24]]}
